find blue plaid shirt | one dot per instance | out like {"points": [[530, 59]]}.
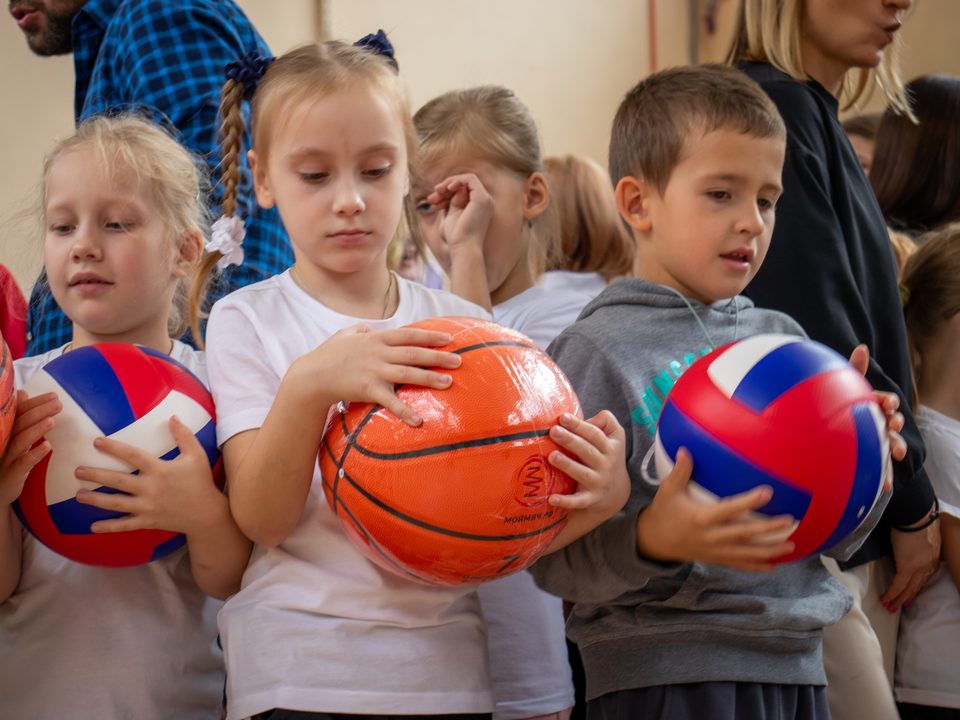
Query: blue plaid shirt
{"points": [[167, 57]]}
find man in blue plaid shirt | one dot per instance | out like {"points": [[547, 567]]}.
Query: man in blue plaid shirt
{"points": [[166, 58]]}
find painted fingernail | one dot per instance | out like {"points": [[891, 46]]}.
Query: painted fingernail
{"points": [[885, 604], [908, 603], [893, 609]]}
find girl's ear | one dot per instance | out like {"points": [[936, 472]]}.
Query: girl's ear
{"points": [[260, 185], [536, 196], [633, 200], [191, 250]]}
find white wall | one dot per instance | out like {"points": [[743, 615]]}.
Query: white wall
{"points": [[569, 61]]}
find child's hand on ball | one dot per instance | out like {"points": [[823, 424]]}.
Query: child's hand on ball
{"points": [[676, 527], [176, 495], [34, 419], [888, 402], [603, 485], [359, 364]]}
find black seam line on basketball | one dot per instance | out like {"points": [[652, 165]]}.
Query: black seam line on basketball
{"points": [[336, 475], [512, 559], [444, 531], [480, 346], [438, 449], [377, 547]]}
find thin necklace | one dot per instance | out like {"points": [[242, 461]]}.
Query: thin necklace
{"points": [[386, 299]]}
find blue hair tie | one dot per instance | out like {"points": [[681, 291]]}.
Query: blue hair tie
{"points": [[380, 45], [248, 71]]}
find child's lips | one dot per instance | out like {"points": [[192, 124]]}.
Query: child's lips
{"points": [[739, 259], [349, 236], [89, 283]]}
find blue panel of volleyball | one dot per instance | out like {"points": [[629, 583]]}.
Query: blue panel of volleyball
{"points": [[121, 391], [786, 412]]}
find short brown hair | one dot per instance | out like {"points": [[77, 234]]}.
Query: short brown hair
{"points": [[657, 116], [592, 237]]}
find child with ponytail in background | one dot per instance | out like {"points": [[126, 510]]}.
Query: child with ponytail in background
{"points": [[927, 674], [317, 629], [122, 219]]}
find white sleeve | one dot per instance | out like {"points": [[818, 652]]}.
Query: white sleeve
{"points": [[943, 468], [243, 381]]}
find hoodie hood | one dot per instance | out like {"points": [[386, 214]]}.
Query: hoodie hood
{"points": [[632, 291]]}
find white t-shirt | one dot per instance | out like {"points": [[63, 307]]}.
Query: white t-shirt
{"points": [[540, 313], [80, 642], [585, 283], [316, 626], [527, 640], [928, 646]]}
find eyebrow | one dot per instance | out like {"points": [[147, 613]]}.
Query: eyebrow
{"points": [[733, 177], [317, 152]]}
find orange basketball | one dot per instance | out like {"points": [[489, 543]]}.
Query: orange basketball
{"points": [[8, 397], [461, 499]]}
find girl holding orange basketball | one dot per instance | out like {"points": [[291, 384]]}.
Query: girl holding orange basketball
{"points": [[122, 215], [316, 627]]}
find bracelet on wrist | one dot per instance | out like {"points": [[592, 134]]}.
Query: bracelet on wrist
{"points": [[931, 519]]}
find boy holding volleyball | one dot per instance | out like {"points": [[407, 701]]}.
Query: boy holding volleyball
{"points": [[680, 610]]}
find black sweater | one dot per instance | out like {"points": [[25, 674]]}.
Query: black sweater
{"points": [[831, 267]]}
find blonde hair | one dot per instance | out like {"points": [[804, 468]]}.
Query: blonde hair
{"points": [[769, 31], [592, 237], [930, 290], [903, 248], [491, 123], [171, 174], [305, 74]]}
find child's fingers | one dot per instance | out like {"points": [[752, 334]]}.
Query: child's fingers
{"points": [[134, 456], [731, 507], [186, 441], [22, 442], [607, 423], [588, 452], [678, 479], [579, 500], [26, 461], [898, 446], [121, 524], [860, 359], [756, 532], [888, 401], [35, 410], [406, 375], [415, 336], [395, 405], [581, 473], [421, 357], [114, 479]]}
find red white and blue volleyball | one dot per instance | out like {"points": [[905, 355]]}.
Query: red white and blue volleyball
{"points": [[121, 391], [786, 412]]}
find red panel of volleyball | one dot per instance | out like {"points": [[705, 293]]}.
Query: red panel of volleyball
{"points": [[786, 412], [116, 390], [461, 499]]}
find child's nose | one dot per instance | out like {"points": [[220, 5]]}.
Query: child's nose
{"points": [[348, 200], [751, 222], [85, 245]]}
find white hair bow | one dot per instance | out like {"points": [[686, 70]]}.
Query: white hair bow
{"points": [[227, 236]]}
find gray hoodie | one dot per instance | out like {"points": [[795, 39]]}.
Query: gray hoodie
{"points": [[640, 623]]}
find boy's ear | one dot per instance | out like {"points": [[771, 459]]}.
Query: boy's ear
{"points": [[191, 250], [536, 196], [633, 196], [260, 185]]}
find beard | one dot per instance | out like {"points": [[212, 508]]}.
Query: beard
{"points": [[56, 36]]}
